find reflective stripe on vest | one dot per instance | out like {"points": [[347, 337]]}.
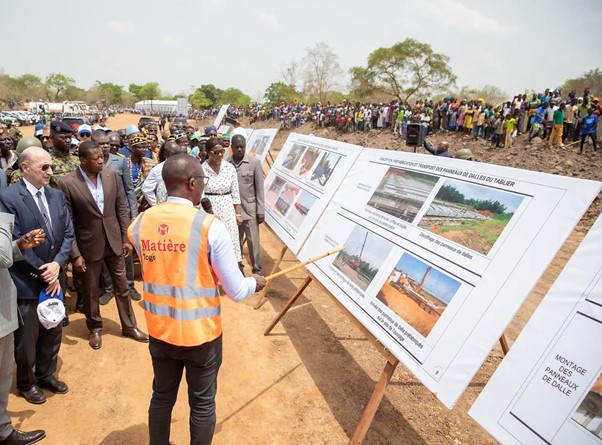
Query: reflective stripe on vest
{"points": [[181, 306]]}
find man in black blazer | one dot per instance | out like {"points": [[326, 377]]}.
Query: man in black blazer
{"points": [[35, 205]]}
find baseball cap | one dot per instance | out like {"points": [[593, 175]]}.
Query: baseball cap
{"points": [[51, 310], [84, 128], [131, 129]]}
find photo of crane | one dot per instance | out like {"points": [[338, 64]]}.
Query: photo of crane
{"points": [[402, 193], [363, 256], [589, 411], [418, 292], [469, 214]]}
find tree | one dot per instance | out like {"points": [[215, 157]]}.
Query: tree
{"points": [[493, 95], [291, 73], [321, 70], [135, 90], [150, 91], [198, 99], [278, 92], [361, 86], [235, 97], [212, 93], [57, 83], [111, 93], [591, 79], [404, 70]]}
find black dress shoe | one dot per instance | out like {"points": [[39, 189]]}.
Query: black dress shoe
{"points": [[33, 395], [23, 437], [54, 385], [134, 294], [95, 341], [136, 334]]}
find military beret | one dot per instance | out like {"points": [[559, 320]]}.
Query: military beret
{"points": [[60, 127]]}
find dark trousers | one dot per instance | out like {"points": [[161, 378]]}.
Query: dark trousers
{"points": [[250, 228], [592, 137], [35, 347], [202, 365], [106, 284], [91, 291]]}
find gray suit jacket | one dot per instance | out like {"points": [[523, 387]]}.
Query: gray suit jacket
{"points": [[116, 163], [9, 252], [250, 185]]}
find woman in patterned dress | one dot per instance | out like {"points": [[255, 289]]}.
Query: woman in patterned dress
{"points": [[222, 191]]}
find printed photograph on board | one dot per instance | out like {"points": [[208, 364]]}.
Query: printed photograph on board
{"points": [[254, 151], [286, 198], [273, 191], [301, 208], [307, 161], [418, 292], [589, 413], [402, 193], [324, 169], [363, 256], [469, 214], [293, 156]]}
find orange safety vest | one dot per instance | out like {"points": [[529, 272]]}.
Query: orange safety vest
{"points": [[181, 304]]}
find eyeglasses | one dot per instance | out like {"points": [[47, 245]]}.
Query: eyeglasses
{"points": [[205, 178], [218, 152], [45, 167], [115, 145], [45, 138]]}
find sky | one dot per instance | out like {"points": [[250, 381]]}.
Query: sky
{"points": [[516, 45], [474, 191], [438, 284]]}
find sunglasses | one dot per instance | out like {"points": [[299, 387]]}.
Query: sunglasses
{"points": [[205, 178], [218, 152], [45, 138], [45, 167]]}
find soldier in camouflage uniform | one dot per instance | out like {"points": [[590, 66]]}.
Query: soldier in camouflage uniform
{"points": [[63, 162]]}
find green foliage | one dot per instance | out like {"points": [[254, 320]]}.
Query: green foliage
{"points": [[135, 90], [278, 92], [362, 83], [198, 99], [57, 83], [591, 79], [111, 93], [149, 91], [212, 93], [450, 194], [408, 68], [235, 97]]}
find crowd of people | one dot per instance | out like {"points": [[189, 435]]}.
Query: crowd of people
{"points": [[87, 199], [548, 115]]}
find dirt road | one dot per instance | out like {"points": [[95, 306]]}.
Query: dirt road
{"points": [[306, 383]]}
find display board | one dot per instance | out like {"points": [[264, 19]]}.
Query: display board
{"points": [[220, 115], [260, 141], [301, 182], [440, 253], [548, 390]]}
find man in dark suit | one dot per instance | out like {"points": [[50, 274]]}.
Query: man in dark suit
{"points": [[35, 205], [115, 162], [100, 219]]}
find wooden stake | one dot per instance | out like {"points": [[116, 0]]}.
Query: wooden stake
{"points": [[504, 344], [261, 296], [375, 399], [288, 304]]}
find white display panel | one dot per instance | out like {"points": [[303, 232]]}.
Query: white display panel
{"points": [[303, 179], [440, 253], [260, 141], [548, 390]]}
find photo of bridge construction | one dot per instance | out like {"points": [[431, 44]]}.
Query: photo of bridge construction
{"points": [[402, 193], [418, 292], [363, 256], [469, 214]]}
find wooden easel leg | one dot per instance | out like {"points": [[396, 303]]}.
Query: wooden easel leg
{"points": [[261, 296], [288, 305], [373, 404], [504, 344]]}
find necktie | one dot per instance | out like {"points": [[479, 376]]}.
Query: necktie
{"points": [[44, 212]]}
